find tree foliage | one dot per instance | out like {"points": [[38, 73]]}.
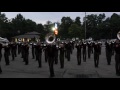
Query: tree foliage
{"points": [[97, 26]]}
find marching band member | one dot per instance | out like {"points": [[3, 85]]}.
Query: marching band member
{"points": [[45, 52], [100, 44], [96, 53], [13, 47], [19, 47], [108, 51], [33, 50], [113, 45], [0, 57], [51, 54], [89, 44], [84, 50], [39, 54], [68, 49], [6, 54], [62, 52], [117, 57], [56, 53], [79, 47], [22, 51], [26, 53]]}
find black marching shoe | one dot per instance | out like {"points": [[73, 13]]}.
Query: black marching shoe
{"points": [[0, 71], [118, 74], [26, 63], [39, 66], [51, 76], [7, 64]]}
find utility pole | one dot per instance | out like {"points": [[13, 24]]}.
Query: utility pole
{"points": [[85, 25]]}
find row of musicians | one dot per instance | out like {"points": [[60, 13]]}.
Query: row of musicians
{"points": [[11, 49], [110, 49]]}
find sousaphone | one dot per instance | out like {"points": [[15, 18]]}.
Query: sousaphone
{"points": [[118, 35], [50, 38]]}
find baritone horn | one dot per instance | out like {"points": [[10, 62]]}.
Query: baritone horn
{"points": [[50, 38], [118, 35]]}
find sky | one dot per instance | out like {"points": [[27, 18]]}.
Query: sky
{"points": [[43, 17]]}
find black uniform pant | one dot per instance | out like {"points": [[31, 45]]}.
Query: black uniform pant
{"points": [[0, 57], [96, 59], [100, 50], [13, 54], [73, 47], [19, 50], [84, 55], [117, 63], [39, 60], [89, 52], [9, 53], [51, 63], [33, 54], [68, 55], [0, 63], [71, 50], [26, 58], [22, 53], [108, 56], [79, 58], [6, 55], [92, 50], [37, 55], [0, 69], [56, 57], [65, 53], [113, 51], [62, 60], [46, 56]]}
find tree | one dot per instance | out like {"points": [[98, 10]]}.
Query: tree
{"points": [[3, 25], [18, 23], [65, 24], [77, 21], [75, 31], [40, 29], [29, 25], [114, 25], [48, 26], [94, 25]]}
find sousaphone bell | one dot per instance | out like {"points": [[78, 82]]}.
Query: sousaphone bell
{"points": [[118, 35], [50, 38]]}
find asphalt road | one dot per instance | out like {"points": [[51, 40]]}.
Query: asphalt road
{"points": [[17, 69]]}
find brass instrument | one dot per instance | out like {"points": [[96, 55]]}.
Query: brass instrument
{"points": [[73, 39], [19, 40], [118, 35], [58, 39], [4, 40], [50, 38], [89, 42]]}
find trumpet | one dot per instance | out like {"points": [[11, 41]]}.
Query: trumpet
{"points": [[118, 35], [50, 38]]}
